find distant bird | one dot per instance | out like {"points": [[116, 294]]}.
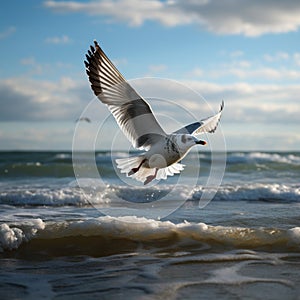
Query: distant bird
{"points": [[84, 119], [163, 152]]}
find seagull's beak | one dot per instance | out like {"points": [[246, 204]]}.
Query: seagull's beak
{"points": [[201, 142]]}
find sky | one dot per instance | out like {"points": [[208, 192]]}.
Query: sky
{"points": [[246, 53]]}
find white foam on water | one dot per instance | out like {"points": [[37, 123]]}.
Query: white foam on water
{"points": [[244, 157], [94, 194], [148, 230], [294, 235], [11, 237], [255, 191]]}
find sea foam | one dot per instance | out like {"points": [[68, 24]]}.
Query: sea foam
{"points": [[11, 237], [150, 231]]}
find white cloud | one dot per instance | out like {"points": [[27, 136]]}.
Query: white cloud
{"points": [[237, 53], [246, 70], [256, 111], [265, 74], [33, 65], [7, 32], [244, 137], [64, 39], [25, 99], [157, 68], [262, 114], [197, 72], [120, 62], [243, 64], [267, 107], [297, 59], [249, 18], [133, 12], [28, 61], [279, 56], [246, 102], [46, 136], [279, 66]]}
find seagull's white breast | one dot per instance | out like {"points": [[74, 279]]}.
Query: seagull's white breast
{"points": [[163, 153]]}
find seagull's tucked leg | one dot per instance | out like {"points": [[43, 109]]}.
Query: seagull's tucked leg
{"points": [[134, 170], [151, 177]]}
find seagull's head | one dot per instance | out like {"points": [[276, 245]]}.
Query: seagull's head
{"points": [[186, 141]]}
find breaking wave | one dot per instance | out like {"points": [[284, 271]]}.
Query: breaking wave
{"points": [[71, 195], [142, 230]]}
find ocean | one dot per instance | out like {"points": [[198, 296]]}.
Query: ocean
{"points": [[107, 237]]}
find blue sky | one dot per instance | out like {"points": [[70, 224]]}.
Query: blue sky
{"points": [[245, 52]]}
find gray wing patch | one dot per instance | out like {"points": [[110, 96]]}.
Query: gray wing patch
{"points": [[208, 125], [189, 128]]}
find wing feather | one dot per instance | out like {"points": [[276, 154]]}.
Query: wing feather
{"points": [[207, 125], [132, 113]]}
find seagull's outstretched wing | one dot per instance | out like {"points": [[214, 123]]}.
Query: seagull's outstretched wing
{"points": [[208, 125], [84, 119], [132, 113]]}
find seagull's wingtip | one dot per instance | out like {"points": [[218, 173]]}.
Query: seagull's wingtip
{"points": [[222, 105], [96, 44]]}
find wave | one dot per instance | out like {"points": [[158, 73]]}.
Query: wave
{"points": [[64, 195], [142, 230], [40, 156], [98, 193], [257, 192], [11, 237], [60, 164], [263, 157]]}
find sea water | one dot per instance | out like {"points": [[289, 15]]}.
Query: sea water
{"points": [[58, 241]]}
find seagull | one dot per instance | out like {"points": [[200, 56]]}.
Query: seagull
{"points": [[86, 119], [162, 152]]}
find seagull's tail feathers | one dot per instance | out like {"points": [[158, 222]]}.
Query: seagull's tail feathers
{"points": [[133, 167], [126, 165], [169, 171]]}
